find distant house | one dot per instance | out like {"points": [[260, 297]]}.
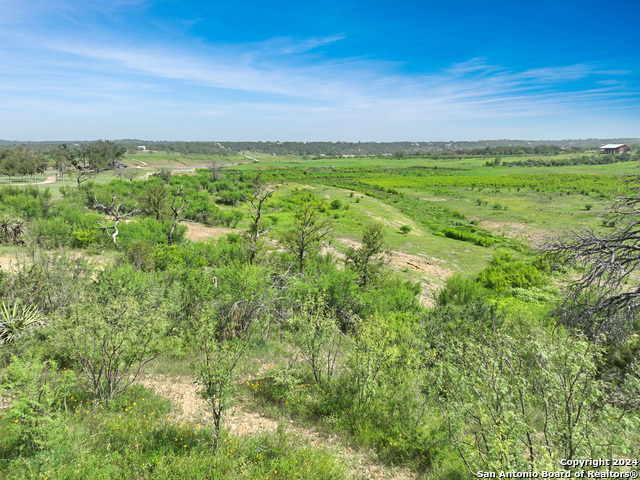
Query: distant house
{"points": [[614, 148], [142, 148]]}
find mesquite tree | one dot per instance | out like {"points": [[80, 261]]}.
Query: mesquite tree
{"points": [[257, 211], [178, 207], [309, 233], [369, 259]]}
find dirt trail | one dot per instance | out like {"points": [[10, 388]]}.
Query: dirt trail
{"points": [[50, 179], [241, 420]]}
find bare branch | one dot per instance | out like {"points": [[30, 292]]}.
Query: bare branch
{"points": [[178, 208], [260, 195], [115, 210]]}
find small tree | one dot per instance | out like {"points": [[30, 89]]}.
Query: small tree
{"points": [[164, 174], [126, 173], [154, 200], [309, 233], [178, 207], [23, 161], [368, 260], [225, 327], [90, 158], [219, 356], [113, 340], [215, 168], [64, 157], [257, 211], [317, 337]]}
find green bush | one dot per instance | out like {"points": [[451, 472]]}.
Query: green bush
{"points": [[469, 237], [151, 231], [84, 237], [140, 254], [54, 232], [39, 387], [460, 290], [504, 272]]}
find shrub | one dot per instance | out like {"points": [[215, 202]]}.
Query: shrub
{"points": [[54, 232], [38, 387], [231, 219], [317, 336], [404, 229], [151, 231], [16, 320], [460, 290], [84, 237], [504, 272], [469, 237], [140, 254], [111, 340]]}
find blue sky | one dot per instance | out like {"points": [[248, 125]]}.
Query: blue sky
{"points": [[308, 71]]}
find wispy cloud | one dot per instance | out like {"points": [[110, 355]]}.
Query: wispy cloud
{"points": [[282, 78], [474, 83]]}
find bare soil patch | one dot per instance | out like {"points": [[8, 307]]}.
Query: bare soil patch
{"points": [[519, 230], [197, 231], [5, 403], [419, 264], [347, 242], [9, 263], [405, 260], [433, 275], [182, 391]]}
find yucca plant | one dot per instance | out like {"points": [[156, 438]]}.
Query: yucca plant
{"points": [[16, 320], [11, 228]]}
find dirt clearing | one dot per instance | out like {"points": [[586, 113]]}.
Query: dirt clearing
{"points": [[197, 231]]}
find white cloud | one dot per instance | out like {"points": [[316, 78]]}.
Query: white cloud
{"points": [[281, 83]]}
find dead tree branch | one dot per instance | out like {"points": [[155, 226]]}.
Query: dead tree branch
{"points": [[115, 210], [178, 208], [257, 211]]}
